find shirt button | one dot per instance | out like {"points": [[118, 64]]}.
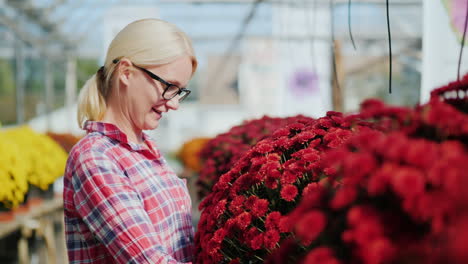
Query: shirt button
{"points": [[183, 207]]}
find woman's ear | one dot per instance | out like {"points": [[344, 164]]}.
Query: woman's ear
{"points": [[124, 69]]}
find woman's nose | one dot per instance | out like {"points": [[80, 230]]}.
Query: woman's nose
{"points": [[173, 103]]}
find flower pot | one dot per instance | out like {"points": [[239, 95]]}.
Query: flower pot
{"points": [[6, 214], [36, 193]]}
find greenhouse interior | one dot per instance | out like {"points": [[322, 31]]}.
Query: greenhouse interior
{"points": [[306, 131]]}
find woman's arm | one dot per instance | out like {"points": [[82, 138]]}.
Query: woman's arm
{"points": [[110, 207]]}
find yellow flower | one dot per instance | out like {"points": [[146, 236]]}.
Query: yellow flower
{"points": [[27, 157]]}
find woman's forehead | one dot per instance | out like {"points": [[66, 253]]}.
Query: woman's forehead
{"points": [[178, 71]]}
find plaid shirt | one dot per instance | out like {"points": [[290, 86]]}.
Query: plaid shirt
{"points": [[122, 202]]}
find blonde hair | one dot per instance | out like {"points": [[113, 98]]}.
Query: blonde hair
{"points": [[144, 42]]}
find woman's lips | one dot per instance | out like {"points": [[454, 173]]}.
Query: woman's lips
{"points": [[159, 113]]}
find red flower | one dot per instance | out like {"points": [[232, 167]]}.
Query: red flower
{"points": [[282, 253], [219, 235], [263, 147], [303, 137], [271, 238], [282, 132], [236, 207], [257, 242], [343, 197], [408, 182], [358, 166], [213, 247], [230, 226], [285, 224], [321, 255], [251, 233], [288, 177], [260, 207], [220, 208], [250, 202], [283, 143], [243, 220], [274, 158], [272, 220], [378, 251], [379, 182], [271, 181], [258, 160], [234, 261], [310, 226], [289, 192]]}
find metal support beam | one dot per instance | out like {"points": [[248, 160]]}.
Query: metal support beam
{"points": [[39, 16], [298, 38], [70, 89], [23, 35], [49, 91], [20, 82], [294, 2]]}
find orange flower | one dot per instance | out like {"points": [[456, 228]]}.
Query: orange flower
{"points": [[189, 153]]}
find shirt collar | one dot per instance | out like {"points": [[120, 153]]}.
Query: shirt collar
{"points": [[112, 131]]}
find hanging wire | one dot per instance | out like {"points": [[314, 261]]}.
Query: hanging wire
{"points": [[462, 44], [389, 49], [349, 25]]}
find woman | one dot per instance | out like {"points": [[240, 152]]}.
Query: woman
{"points": [[122, 202]]}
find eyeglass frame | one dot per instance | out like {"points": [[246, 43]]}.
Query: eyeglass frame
{"points": [[161, 80]]}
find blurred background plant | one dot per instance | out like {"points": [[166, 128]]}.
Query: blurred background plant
{"points": [[45, 157], [189, 155], [220, 153]]}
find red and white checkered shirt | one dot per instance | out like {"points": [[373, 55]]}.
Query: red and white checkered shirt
{"points": [[122, 202]]}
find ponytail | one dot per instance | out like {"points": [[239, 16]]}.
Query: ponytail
{"points": [[91, 102]]}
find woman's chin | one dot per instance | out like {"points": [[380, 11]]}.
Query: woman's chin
{"points": [[151, 125]]}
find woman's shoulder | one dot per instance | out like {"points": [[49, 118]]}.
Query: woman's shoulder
{"points": [[93, 143]]}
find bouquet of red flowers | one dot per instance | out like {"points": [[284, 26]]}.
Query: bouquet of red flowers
{"points": [[242, 219], [395, 196], [394, 193], [396, 200], [220, 153]]}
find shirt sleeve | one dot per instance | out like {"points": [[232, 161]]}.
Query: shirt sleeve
{"points": [[111, 208]]}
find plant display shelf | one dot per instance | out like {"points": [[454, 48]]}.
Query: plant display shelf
{"points": [[39, 219]]}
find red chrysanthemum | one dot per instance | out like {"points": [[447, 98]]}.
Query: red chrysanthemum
{"points": [[289, 192]]}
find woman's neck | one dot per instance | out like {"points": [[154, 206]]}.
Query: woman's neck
{"points": [[124, 124]]}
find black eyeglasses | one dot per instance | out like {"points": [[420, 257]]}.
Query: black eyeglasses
{"points": [[170, 90]]}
